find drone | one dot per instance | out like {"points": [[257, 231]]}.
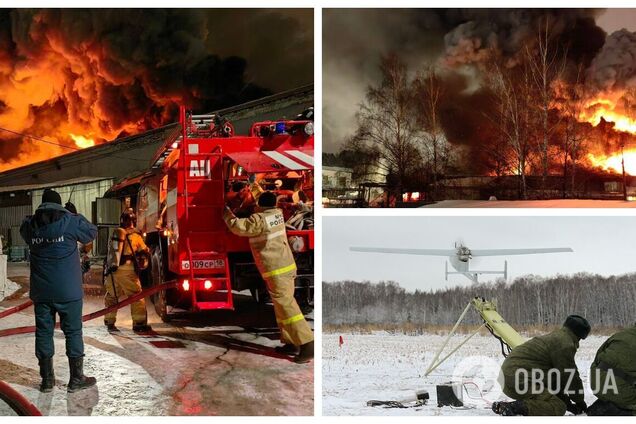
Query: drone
{"points": [[460, 257]]}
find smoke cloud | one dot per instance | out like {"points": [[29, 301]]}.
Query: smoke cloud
{"points": [[456, 41], [103, 74]]}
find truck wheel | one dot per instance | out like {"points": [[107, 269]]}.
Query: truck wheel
{"points": [[159, 299]]}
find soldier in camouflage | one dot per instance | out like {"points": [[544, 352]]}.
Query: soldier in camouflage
{"points": [[541, 374]]}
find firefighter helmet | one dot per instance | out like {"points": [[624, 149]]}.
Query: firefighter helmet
{"points": [[128, 219]]}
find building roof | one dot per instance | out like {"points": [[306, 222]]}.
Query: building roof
{"points": [[73, 181], [117, 149]]}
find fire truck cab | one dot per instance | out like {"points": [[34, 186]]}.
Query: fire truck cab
{"points": [[180, 203]]}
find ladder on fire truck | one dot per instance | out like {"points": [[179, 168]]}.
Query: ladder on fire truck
{"points": [[203, 195]]}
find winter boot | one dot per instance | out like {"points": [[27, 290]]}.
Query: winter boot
{"points": [[47, 374], [78, 380], [510, 408], [288, 349], [111, 328], [141, 328], [306, 353]]}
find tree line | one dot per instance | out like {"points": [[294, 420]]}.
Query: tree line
{"points": [[527, 301]]}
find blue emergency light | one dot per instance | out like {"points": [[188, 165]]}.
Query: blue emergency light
{"points": [[281, 128]]}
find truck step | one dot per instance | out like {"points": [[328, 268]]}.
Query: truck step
{"points": [[207, 306]]}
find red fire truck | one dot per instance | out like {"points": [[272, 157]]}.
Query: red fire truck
{"points": [[181, 199]]}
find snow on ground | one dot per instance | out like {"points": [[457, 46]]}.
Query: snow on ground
{"points": [[383, 366], [555, 203], [8, 289], [221, 363]]}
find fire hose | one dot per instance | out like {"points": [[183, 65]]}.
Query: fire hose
{"points": [[15, 309], [30, 329], [17, 402]]}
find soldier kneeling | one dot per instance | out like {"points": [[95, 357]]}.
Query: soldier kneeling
{"points": [[536, 374]]}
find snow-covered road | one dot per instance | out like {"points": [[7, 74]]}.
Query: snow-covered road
{"points": [[554, 203], [383, 366], [221, 363]]}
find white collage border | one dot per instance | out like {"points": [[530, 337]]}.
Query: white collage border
{"points": [[318, 5]]}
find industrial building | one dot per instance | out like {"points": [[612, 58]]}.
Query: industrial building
{"points": [[84, 176]]}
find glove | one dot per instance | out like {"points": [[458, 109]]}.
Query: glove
{"points": [[252, 178], [70, 207]]}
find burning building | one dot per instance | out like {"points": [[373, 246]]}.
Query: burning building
{"points": [[87, 95], [543, 97], [84, 176], [74, 78]]}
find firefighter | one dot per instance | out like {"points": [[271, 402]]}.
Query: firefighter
{"points": [[123, 279], [56, 285], [616, 392], [275, 262], [543, 364]]}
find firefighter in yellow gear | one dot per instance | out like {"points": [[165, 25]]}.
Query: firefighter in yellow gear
{"points": [[275, 262], [122, 280]]}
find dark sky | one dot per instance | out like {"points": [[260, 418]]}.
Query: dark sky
{"points": [[354, 39], [278, 44]]}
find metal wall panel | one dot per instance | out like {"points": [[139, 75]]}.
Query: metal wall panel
{"points": [[108, 211], [81, 195], [10, 219]]}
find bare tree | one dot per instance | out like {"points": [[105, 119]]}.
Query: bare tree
{"points": [[428, 92], [527, 301], [546, 65], [569, 101], [386, 123], [512, 91]]}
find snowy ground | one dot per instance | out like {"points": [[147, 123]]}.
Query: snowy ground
{"points": [[556, 203], [222, 363], [382, 366], [9, 289]]}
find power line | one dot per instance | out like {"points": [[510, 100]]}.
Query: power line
{"points": [[65, 146], [39, 139]]}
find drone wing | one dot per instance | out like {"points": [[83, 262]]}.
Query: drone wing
{"points": [[423, 252], [508, 252]]}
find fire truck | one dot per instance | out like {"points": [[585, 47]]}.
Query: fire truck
{"points": [[181, 199]]}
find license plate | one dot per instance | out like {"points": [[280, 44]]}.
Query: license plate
{"points": [[204, 264]]}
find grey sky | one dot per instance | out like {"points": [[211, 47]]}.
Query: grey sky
{"points": [[603, 245], [615, 19]]}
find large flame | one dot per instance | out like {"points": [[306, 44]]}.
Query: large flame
{"points": [[81, 141], [605, 108], [614, 162]]}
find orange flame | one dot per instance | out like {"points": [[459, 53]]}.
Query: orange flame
{"points": [[604, 108], [613, 162], [81, 141]]}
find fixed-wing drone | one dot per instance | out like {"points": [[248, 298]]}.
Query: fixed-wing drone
{"points": [[461, 255]]}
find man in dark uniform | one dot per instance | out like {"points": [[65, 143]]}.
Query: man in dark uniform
{"points": [[613, 375], [56, 285], [533, 369]]}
